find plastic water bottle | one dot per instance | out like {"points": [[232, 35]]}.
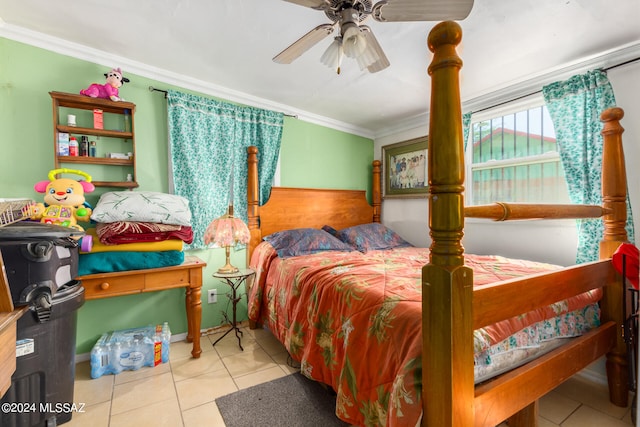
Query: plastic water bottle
{"points": [[166, 341], [130, 355], [99, 360], [115, 359]]}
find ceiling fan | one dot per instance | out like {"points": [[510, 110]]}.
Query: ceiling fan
{"points": [[357, 41]]}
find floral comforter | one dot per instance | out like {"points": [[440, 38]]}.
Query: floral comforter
{"points": [[353, 321]]}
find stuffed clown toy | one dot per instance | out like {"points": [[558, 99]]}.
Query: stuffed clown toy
{"points": [[108, 90]]}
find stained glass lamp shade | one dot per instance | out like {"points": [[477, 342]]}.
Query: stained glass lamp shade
{"points": [[227, 232]]}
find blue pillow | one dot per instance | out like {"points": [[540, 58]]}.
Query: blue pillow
{"points": [[305, 241], [370, 237]]}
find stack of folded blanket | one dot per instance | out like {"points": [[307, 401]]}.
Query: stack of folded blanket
{"points": [[137, 230]]}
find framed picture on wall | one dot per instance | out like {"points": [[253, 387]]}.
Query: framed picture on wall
{"points": [[404, 168]]}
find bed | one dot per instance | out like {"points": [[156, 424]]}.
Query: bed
{"points": [[439, 291]]}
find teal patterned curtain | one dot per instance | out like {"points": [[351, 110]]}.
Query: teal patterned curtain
{"points": [[575, 106], [208, 140], [466, 126]]}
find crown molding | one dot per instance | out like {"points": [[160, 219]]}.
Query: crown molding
{"points": [[534, 83], [529, 85], [419, 121], [497, 95], [78, 51]]}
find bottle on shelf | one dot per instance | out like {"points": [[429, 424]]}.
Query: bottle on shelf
{"points": [[84, 146], [73, 146], [92, 149]]}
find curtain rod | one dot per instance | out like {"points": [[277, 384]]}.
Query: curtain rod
{"points": [[153, 89], [538, 91]]}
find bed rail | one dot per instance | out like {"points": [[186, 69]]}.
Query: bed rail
{"points": [[503, 211], [503, 300], [497, 400]]}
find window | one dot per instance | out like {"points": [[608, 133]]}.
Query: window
{"points": [[514, 158]]}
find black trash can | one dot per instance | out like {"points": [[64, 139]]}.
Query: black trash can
{"points": [[41, 262], [41, 392], [39, 258]]}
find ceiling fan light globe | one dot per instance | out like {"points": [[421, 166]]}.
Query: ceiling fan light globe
{"points": [[353, 41], [367, 58], [354, 46], [332, 57]]}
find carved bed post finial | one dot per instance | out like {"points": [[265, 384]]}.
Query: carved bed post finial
{"points": [[614, 178], [445, 148]]}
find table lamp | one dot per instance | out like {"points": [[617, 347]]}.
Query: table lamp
{"points": [[225, 232]]}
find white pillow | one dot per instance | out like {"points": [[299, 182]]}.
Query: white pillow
{"points": [[145, 206]]}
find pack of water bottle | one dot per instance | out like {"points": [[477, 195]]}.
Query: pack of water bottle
{"points": [[130, 349]]}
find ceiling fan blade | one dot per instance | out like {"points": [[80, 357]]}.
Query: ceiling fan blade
{"points": [[303, 44], [421, 10], [382, 62], [314, 4]]}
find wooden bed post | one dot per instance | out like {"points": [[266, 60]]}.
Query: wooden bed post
{"points": [[253, 207], [376, 196], [253, 200], [614, 198], [447, 285]]}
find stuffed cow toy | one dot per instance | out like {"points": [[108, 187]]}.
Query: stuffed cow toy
{"points": [[108, 90]]}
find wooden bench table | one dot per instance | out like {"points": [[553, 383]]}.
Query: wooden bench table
{"points": [[186, 275]]}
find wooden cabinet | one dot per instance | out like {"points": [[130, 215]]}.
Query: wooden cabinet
{"points": [[9, 317], [8, 335], [117, 136]]}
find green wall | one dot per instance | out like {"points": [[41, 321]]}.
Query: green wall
{"points": [[318, 157], [311, 156]]}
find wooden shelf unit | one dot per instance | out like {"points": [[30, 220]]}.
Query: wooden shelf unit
{"points": [[82, 102]]}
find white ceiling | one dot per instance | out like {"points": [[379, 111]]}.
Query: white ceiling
{"points": [[226, 47]]}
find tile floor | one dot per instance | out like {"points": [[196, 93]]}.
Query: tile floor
{"points": [[182, 392]]}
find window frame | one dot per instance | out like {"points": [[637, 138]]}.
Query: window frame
{"points": [[526, 103]]}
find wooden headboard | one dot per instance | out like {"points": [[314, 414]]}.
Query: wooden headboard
{"points": [[289, 208]]}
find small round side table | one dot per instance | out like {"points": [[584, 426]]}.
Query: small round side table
{"points": [[234, 280]]}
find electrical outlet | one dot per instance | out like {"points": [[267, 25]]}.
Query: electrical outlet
{"points": [[212, 296]]}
